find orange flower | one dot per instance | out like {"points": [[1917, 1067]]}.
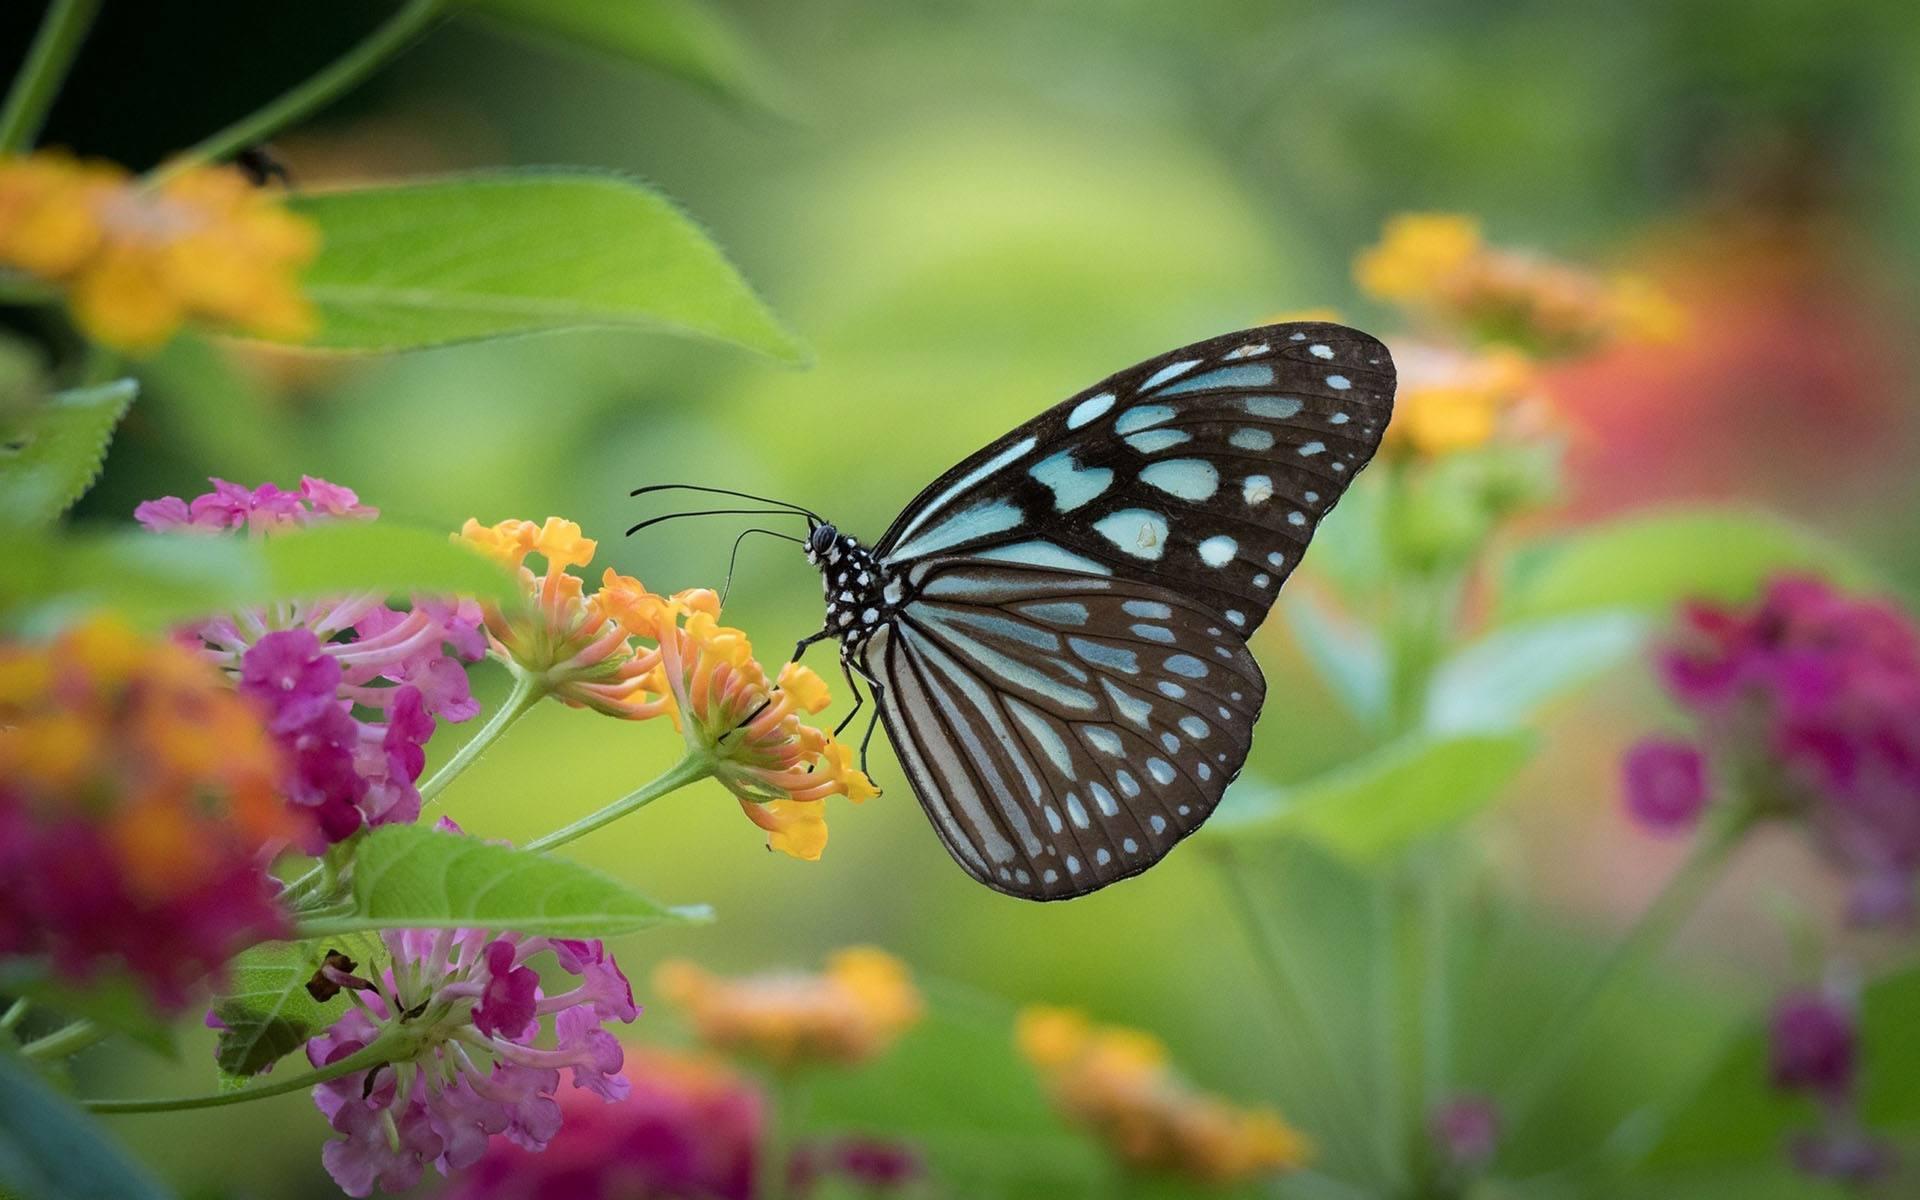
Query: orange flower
{"points": [[1451, 400], [139, 261], [1438, 266], [853, 1011], [1117, 1083], [781, 768], [137, 809], [572, 643]]}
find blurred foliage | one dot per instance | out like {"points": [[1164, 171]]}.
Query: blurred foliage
{"points": [[971, 211]]}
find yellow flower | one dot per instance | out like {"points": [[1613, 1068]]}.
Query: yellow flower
{"points": [[139, 261], [576, 645], [853, 1011], [1451, 401], [1117, 1083], [1419, 255], [1437, 266], [781, 769]]}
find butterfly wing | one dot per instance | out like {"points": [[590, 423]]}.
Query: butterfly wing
{"points": [[1205, 470], [1062, 730]]}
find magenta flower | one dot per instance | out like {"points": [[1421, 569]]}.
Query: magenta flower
{"points": [[1810, 700], [1466, 1130], [1666, 785], [1813, 1047], [352, 687], [470, 1011]]}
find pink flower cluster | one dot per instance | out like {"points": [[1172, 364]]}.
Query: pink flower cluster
{"points": [[1809, 703], [472, 1010], [1813, 1048], [351, 685]]}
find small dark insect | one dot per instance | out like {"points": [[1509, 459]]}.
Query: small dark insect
{"points": [[260, 167]]}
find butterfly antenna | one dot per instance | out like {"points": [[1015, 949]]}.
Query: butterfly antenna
{"points": [[734, 557], [713, 512], [715, 491]]}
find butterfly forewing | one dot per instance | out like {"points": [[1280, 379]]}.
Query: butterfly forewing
{"points": [[1063, 730], [1205, 470]]}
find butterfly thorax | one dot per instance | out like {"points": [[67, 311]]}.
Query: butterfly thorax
{"points": [[855, 586]]}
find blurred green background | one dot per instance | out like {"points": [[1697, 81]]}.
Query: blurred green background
{"points": [[970, 210]]}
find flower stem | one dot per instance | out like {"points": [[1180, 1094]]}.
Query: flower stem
{"points": [[16, 1012], [527, 691], [378, 1051], [786, 1107], [1676, 900], [691, 769], [315, 93], [67, 1040], [54, 47], [1282, 973]]}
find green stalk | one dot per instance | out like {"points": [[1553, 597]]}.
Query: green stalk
{"points": [[16, 1012], [378, 1051], [309, 97], [697, 765], [1282, 974], [1556, 1046], [45, 69], [528, 690], [786, 1107], [68, 1040]]}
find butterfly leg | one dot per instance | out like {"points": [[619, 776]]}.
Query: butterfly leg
{"points": [[847, 665], [800, 647], [853, 685]]}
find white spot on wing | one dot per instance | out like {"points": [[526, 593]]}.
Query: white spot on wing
{"points": [[1155, 440], [1218, 551], [1089, 409], [1136, 531], [1144, 416], [1258, 489], [1252, 439], [1187, 478], [1072, 486], [1320, 351], [1168, 372], [1278, 408], [1339, 383]]}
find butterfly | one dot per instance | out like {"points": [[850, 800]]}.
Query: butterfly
{"points": [[1055, 630]]}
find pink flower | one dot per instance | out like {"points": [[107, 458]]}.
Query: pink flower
{"points": [[352, 687], [1812, 1045], [1466, 1129], [472, 1011], [1666, 785], [1811, 698]]}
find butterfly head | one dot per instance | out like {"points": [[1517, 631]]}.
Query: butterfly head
{"points": [[820, 542]]}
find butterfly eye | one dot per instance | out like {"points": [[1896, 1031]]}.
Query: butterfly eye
{"points": [[821, 540]]}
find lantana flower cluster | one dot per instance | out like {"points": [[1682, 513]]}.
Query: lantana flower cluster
{"points": [[463, 1013], [139, 260], [1118, 1083], [138, 811], [1439, 267], [854, 1010], [1806, 706], [1814, 1049], [632, 654], [353, 686]]}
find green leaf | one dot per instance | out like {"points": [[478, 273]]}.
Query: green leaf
{"points": [[51, 452], [161, 579], [266, 1008], [1373, 808], [485, 255], [410, 877], [1654, 561], [1347, 654], [116, 1002], [50, 1150], [1501, 680], [1735, 1117], [678, 37]]}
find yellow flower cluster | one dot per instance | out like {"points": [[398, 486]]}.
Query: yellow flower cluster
{"points": [[1450, 400], [1118, 1083], [850, 1013], [1439, 266], [138, 261], [630, 653]]}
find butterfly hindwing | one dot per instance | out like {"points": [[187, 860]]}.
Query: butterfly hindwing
{"points": [[1062, 730], [1205, 470]]}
